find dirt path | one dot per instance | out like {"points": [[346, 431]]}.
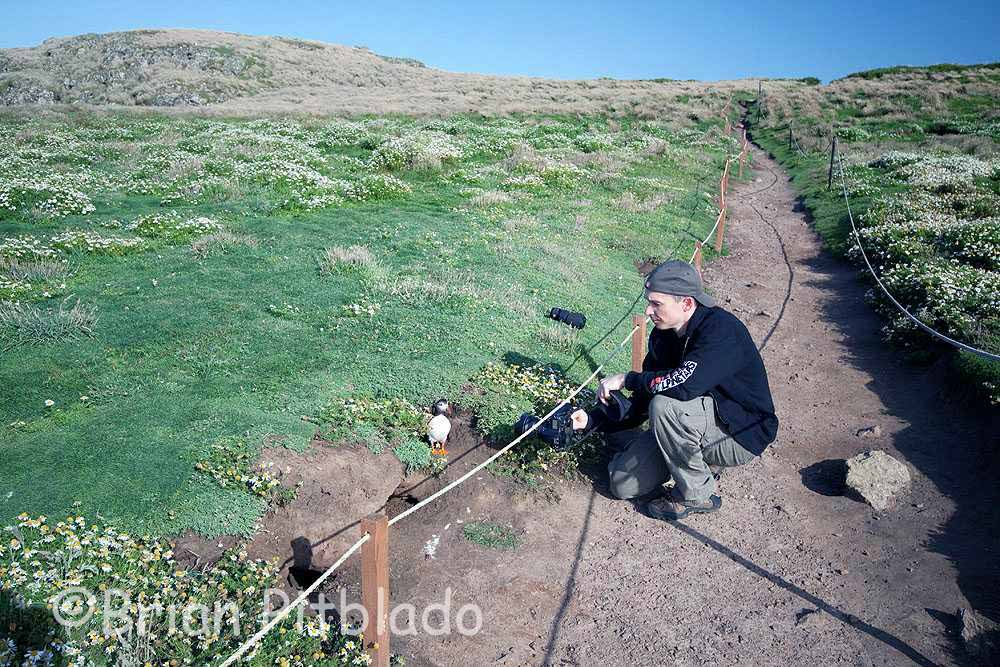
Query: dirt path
{"points": [[789, 572]]}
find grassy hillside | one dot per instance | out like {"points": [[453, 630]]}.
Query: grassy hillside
{"points": [[231, 74], [920, 148], [179, 292]]}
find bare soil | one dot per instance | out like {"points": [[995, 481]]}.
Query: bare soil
{"points": [[790, 571]]}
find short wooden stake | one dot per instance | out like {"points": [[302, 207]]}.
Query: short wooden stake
{"points": [[697, 255], [375, 587], [720, 230], [638, 342]]}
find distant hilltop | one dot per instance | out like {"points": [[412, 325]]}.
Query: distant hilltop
{"points": [[233, 73], [229, 73]]}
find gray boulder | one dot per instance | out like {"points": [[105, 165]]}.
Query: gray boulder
{"points": [[980, 636], [877, 477]]}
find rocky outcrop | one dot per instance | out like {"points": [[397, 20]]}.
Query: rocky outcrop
{"points": [[121, 68], [980, 636], [16, 90]]}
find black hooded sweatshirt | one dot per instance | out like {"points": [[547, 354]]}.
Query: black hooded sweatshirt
{"points": [[715, 357]]}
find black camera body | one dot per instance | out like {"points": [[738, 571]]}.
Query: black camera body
{"points": [[557, 431]]}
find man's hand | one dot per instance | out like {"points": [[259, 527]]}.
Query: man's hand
{"points": [[608, 385], [580, 420]]}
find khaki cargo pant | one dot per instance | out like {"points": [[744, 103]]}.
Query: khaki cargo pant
{"points": [[683, 439]]}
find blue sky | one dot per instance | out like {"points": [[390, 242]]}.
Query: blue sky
{"points": [[581, 39]]}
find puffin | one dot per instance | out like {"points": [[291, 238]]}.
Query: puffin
{"points": [[439, 426]]}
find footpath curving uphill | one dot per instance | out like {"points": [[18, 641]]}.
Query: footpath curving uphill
{"points": [[373, 542], [790, 571]]}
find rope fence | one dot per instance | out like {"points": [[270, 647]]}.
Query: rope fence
{"points": [[885, 290], [838, 157], [379, 650], [719, 228], [287, 609], [374, 539]]}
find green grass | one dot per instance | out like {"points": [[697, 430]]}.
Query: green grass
{"points": [[491, 535], [879, 72], [245, 340], [829, 215], [69, 552], [809, 176], [413, 454], [973, 105]]}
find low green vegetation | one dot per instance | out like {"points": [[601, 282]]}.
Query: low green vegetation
{"points": [[928, 212], [43, 561], [170, 286], [927, 71], [500, 393], [491, 535], [230, 462], [375, 422], [177, 292]]}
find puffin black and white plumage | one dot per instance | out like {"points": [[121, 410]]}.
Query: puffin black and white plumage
{"points": [[440, 426]]}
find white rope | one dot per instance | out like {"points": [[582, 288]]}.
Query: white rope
{"points": [[288, 609], [718, 219], [399, 517], [864, 255], [431, 498]]}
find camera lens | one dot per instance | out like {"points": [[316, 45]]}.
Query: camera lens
{"points": [[575, 320]]}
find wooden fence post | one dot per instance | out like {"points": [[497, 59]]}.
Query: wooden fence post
{"points": [[720, 229], [760, 98], [743, 152], [723, 182], [375, 587], [697, 255], [789, 138], [833, 151], [638, 342]]}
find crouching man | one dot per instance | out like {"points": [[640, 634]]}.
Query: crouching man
{"points": [[704, 389]]}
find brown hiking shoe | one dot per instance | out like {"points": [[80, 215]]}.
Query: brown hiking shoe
{"points": [[670, 508]]}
